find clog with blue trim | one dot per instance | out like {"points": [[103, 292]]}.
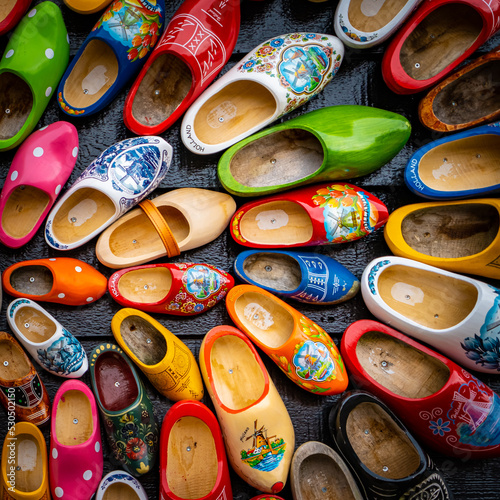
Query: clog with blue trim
{"points": [[273, 79], [32, 65], [460, 165], [12, 14], [111, 55], [118, 485], [122, 176], [307, 277]]}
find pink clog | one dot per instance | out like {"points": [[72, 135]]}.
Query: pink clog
{"points": [[76, 461], [41, 167]]}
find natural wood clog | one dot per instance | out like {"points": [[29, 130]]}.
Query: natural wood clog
{"points": [[167, 362], [304, 352], [171, 223], [255, 424], [119, 485]]}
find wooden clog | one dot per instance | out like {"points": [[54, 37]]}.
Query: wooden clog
{"points": [[317, 471], [119, 485], [304, 352], [167, 362], [171, 223], [11, 14], [255, 424], [22, 391], [24, 469], [87, 6]]}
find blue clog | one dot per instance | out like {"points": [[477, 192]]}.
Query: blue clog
{"points": [[303, 276], [115, 50], [461, 165]]}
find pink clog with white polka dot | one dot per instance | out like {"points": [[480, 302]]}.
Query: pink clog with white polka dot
{"points": [[40, 168], [75, 459]]}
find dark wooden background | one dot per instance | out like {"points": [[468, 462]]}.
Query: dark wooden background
{"points": [[358, 81]]}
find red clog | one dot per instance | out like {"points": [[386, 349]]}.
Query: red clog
{"points": [[14, 11], [197, 43], [183, 289], [193, 461], [435, 40], [323, 214], [443, 405]]}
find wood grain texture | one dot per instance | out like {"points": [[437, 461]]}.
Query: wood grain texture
{"points": [[359, 81]]}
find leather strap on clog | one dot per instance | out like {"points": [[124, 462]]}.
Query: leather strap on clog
{"points": [[161, 226]]}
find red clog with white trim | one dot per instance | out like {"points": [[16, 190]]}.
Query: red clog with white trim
{"points": [[15, 10]]}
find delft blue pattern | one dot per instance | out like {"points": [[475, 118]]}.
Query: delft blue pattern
{"points": [[121, 476], [16, 304], [50, 238], [373, 271], [317, 280]]}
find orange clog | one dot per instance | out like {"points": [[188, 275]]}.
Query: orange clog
{"points": [[304, 352], [63, 280]]}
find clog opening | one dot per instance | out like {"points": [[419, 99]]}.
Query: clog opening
{"points": [[120, 491], [273, 270], [143, 340], [16, 103], [73, 415], [236, 109], [276, 159], [34, 325], [238, 380], [427, 298], [85, 211], [145, 286], [31, 280], [115, 382], [442, 37], [192, 459], [92, 76], [399, 367], [163, 88], [267, 320], [368, 16], [25, 458], [385, 449], [277, 223], [23, 209], [13, 363], [462, 164], [471, 97], [451, 231], [6, 8]]}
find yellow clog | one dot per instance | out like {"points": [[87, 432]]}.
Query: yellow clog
{"points": [[87, 6]]}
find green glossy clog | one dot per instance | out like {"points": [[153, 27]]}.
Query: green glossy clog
{"points": [[332, 143], [32, 65]]}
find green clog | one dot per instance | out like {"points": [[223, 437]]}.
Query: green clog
{"points": [[32, 65], [332, 143]]}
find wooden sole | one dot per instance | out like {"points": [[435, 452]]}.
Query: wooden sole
{"points": [[120, 491], [192, 464], [26, 459], [13, 362], [16, 104], [32, 280], [74, 423], [145, 286], [34, 325], [372, 15], [451, 231]]}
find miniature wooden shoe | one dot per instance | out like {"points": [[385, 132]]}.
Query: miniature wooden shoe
{"points": [[193, 461], [461, 236], [41, 167], [22, 389], [87, 6], [171, 223], [33, 62], [62, 280], [122, 176], [119, 485], [12, 13], [438, 36], [467, 98], [360, 24], [460, 165], [332, 143], [387, 460], [127, 412], [455, 314], [316, 215], [167, 362], [275, 78], [307, 277], [304, 352], [111, 55], [446, 408], [24, 469], [75, 460], [317, 471], [195, 46], [255, 424], [183, 289], [51, 345]]}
